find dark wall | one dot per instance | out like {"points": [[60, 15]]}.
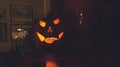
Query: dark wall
{"points": [[111, 23], [100, 25], [85, 34], [5, 4]]}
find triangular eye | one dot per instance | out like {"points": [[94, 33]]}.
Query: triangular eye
{"points": [[42, 23], [56, 21]]}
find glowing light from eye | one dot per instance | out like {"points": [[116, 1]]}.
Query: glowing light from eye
{"points": [[56, 21], [42, 23], [40, 36], [61, 35]]}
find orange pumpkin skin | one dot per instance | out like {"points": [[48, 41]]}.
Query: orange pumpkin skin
{"points": [[49, 32]]}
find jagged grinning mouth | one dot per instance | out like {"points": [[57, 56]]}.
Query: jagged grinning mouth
{"points": [[49, 40]]}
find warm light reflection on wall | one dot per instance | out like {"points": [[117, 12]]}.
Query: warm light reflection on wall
{"points": [[81, 17]]}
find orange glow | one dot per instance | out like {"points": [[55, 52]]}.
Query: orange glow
{"points": [[40, 36], [51, 60], [51, 64], [50, 30], [61, 35], [56, 21], [42, 23], [49, 40]]}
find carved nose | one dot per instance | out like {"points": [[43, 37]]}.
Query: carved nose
{"points": [[49, 30]]}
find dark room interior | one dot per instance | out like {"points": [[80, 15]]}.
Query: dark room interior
{"points": [[59, 33]]}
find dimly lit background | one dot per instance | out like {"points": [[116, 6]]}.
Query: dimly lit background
{"points": [[92, 38]]}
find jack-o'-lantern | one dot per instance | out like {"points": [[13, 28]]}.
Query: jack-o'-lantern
{"points": [[49, 30]]}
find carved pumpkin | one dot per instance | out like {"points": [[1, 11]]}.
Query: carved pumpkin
{"points": [[49, 30]]}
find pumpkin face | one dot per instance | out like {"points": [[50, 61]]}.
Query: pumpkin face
{"points": [[49, 30]]}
